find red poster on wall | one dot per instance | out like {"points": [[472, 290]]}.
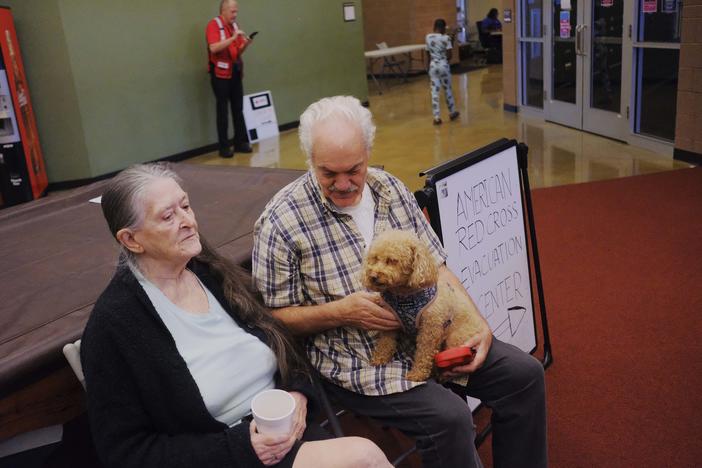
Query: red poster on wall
{"points": [[650, 6]]}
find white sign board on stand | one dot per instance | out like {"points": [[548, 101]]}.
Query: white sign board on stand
{"points": [[259, 114], [482, 224], [485, 237]]}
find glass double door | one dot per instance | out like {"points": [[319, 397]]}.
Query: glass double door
{"points": [[588, 64]]}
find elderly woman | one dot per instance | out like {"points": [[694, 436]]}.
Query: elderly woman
{"points": [[177, 346]]}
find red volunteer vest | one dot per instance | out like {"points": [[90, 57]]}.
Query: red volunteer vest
{"points": [[222, 62]]}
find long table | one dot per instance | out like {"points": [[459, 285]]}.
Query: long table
{"points": [[374, 55], [56, 257]]}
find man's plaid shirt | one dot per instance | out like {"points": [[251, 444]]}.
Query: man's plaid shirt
{"points": [[307, 252]]}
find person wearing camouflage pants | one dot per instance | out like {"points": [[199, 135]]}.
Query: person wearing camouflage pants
{"points": [[439, 50]]}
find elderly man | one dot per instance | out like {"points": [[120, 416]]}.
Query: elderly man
{"points": [[225, 43], [309, 247]]}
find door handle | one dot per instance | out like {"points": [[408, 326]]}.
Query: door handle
{"points": [[583, 27], [578, 49]]}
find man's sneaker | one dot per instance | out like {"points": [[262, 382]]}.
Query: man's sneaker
{"points": [[454, 115], [437, 121]]}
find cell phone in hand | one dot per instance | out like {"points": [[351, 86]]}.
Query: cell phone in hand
{"points": [[453, 357], [251, 36]]}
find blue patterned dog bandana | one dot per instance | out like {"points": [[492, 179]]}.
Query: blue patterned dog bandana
{"points": [[408, 308]]}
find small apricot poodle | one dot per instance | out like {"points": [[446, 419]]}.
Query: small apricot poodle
{"points": [[401, 268]]}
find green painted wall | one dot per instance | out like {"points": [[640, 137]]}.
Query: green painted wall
{"points": [[52, 88], [115, 83]]}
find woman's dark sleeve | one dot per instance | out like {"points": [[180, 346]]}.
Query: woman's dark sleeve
{"points": [[122, 429]]}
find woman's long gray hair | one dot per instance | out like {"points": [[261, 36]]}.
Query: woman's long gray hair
{"points": [[123, 207]]}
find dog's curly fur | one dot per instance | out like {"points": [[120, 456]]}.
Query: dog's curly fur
{"points": [[399, 263]]}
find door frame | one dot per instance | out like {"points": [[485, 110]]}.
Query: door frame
{"points": [[599, 121], [625, 129], [581, 115], [560, 112]]}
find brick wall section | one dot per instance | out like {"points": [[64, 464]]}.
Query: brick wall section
{"points": [[509, 55], [402, 22], [387, 20], [426, 11], [688, 124]]}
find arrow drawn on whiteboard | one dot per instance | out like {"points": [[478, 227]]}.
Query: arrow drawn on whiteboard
{"points": [[515, 315]]}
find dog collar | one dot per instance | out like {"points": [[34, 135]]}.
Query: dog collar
{"points": [[408, 308]]}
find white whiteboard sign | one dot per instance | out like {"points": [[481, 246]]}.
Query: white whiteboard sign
{"points": [[259, 115], [483, 230]]}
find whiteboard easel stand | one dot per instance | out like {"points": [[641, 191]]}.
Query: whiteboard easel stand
{"points": [[522, 151], [427, 198]]}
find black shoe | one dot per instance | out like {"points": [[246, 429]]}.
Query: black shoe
{"points": [[225, 153], [454, 115], [243, 148]]}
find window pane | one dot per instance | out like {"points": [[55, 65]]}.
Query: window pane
{"points": [[663, 25], [564, 64], [606, 64], [656, 98], [532, 74], [532, 18]]}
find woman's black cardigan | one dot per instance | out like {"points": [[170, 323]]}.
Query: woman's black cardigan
{"points": [[145, 409]]}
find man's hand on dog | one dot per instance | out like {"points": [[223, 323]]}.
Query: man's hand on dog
{"points": [[480, 343], [368, 311]]}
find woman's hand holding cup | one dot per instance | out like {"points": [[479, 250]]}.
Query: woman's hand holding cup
{"points": [[279, 420], [270, 449]]}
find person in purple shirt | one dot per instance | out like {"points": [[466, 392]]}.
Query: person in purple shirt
{"points": [[491, 23]]}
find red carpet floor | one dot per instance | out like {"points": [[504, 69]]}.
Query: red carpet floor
{"points": [[621, 263], [622, 271]]}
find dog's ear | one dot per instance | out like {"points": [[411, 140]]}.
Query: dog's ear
{"points": [[424, 271]]}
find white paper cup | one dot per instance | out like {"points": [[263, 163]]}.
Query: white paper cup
{"points": [[273, 411]]}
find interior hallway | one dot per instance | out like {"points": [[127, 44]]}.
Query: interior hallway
{"points": [[407, 142]]}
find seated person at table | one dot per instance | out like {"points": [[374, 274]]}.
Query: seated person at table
{"points": [[178, 345], [490, 22]]}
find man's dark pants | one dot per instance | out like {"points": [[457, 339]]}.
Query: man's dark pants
{"points": [[510, 382], [229, 92]]}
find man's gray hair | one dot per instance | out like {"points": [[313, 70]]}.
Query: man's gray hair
{"points": [[226, 2], [347, 107]]}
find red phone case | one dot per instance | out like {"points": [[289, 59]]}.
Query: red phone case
{"points": [[453, 357]]}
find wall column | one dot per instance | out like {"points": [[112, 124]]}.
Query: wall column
{"points": [[509, 57], [688, 121]]}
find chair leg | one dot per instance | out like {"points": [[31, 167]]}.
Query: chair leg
{"points": [[332, 416]]}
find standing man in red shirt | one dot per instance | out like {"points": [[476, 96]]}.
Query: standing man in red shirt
{"points": [[226, 43]]}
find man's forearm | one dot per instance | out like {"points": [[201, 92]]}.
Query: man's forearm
{"points": [[308, 320]]}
